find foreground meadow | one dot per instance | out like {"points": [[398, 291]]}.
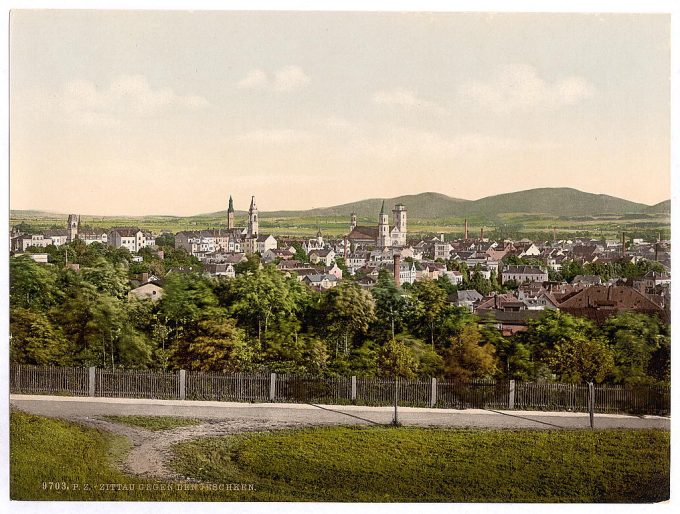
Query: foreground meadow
{"points": [[56, 460]]}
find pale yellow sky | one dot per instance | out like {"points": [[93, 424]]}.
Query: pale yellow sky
{"points": [[172, 112]]}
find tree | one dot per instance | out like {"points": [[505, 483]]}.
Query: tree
{"points": [[300, 254], [580, 359], [34, 340], [479, 283], [570, 269], [166, 239], [395, 359], [217, 346], [31, 285], [250, 265], [107, 278], [347, 310], [260, 298], [389, 303], [186, 297], [469, 356], [428, 362], [634, 339], [572, 347], [429, 303]]}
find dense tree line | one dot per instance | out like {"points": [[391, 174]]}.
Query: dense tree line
{"points": [[265, 320]]}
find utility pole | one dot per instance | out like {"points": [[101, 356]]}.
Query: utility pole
{"points": [[395, 419]]}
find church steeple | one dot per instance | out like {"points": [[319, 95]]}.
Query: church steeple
{"points": [[383, 228], [253, 224], [230, 214]]}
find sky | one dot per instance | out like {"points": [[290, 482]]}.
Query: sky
{"points": [[152, 112]]}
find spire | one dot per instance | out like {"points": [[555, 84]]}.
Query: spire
{"points": [[382, 209], [253, 207], [231, 205]]}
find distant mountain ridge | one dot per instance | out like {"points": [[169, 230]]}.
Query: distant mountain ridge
{"points": [[552, 201], [549, 201]]}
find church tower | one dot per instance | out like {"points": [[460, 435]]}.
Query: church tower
{"points": [[252, 219], [73, 225], [399, 216], [230, 215], [383, 228], [353, 221]]}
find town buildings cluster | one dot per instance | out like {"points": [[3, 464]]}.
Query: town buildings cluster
{"points": [[364, 251]]}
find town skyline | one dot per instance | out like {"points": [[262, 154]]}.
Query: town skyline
{"points": [[465, 104]]}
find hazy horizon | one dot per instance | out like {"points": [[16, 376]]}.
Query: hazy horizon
{"points": [[149, 112], [285, 209]]}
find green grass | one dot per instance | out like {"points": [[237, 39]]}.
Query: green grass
{"points": [[355, 464], [441, 465], [154, 423]]}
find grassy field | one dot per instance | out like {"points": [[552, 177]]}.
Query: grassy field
{"points": [[154, 423], [372, 464]]}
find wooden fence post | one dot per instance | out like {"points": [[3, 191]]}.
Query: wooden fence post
{"points": [[511, 395], [433, 393], [182, 384], [591, 404], [272, 387], [354, 388], [93, 380]]}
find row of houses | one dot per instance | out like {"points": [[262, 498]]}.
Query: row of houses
{"points": [[512, 312]]}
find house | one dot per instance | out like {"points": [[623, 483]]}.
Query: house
{"points": [[586, 280], [327, 257], [334, 270], [21, 243], [600, 302], [322, 281], [356, 260], [131, 238], [94, 236], [455, 277], [467, 298], [220, 269], [41, 258], [653, 278], [523, 273], [265, 242], [407, 273], [272, 255], [442, 250], [58, 237], [150, 290]]}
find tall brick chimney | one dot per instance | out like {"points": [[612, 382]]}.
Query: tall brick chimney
{"points": [[623, 243], [397, 269], [481, 234], [465, 236]]}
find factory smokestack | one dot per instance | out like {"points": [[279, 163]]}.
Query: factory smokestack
{"points": [[397, 269], [465, 236]]}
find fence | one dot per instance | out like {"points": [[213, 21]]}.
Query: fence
{"points": [[254, 387]]}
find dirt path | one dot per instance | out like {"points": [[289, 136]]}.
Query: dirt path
{"points": [[151, 450]]}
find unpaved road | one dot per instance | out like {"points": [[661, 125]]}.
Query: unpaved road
{"points": [[151, 450]]}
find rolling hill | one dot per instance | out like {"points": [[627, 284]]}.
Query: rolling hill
{"points": [[661, 207], [429, 206], [551, 201]]}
